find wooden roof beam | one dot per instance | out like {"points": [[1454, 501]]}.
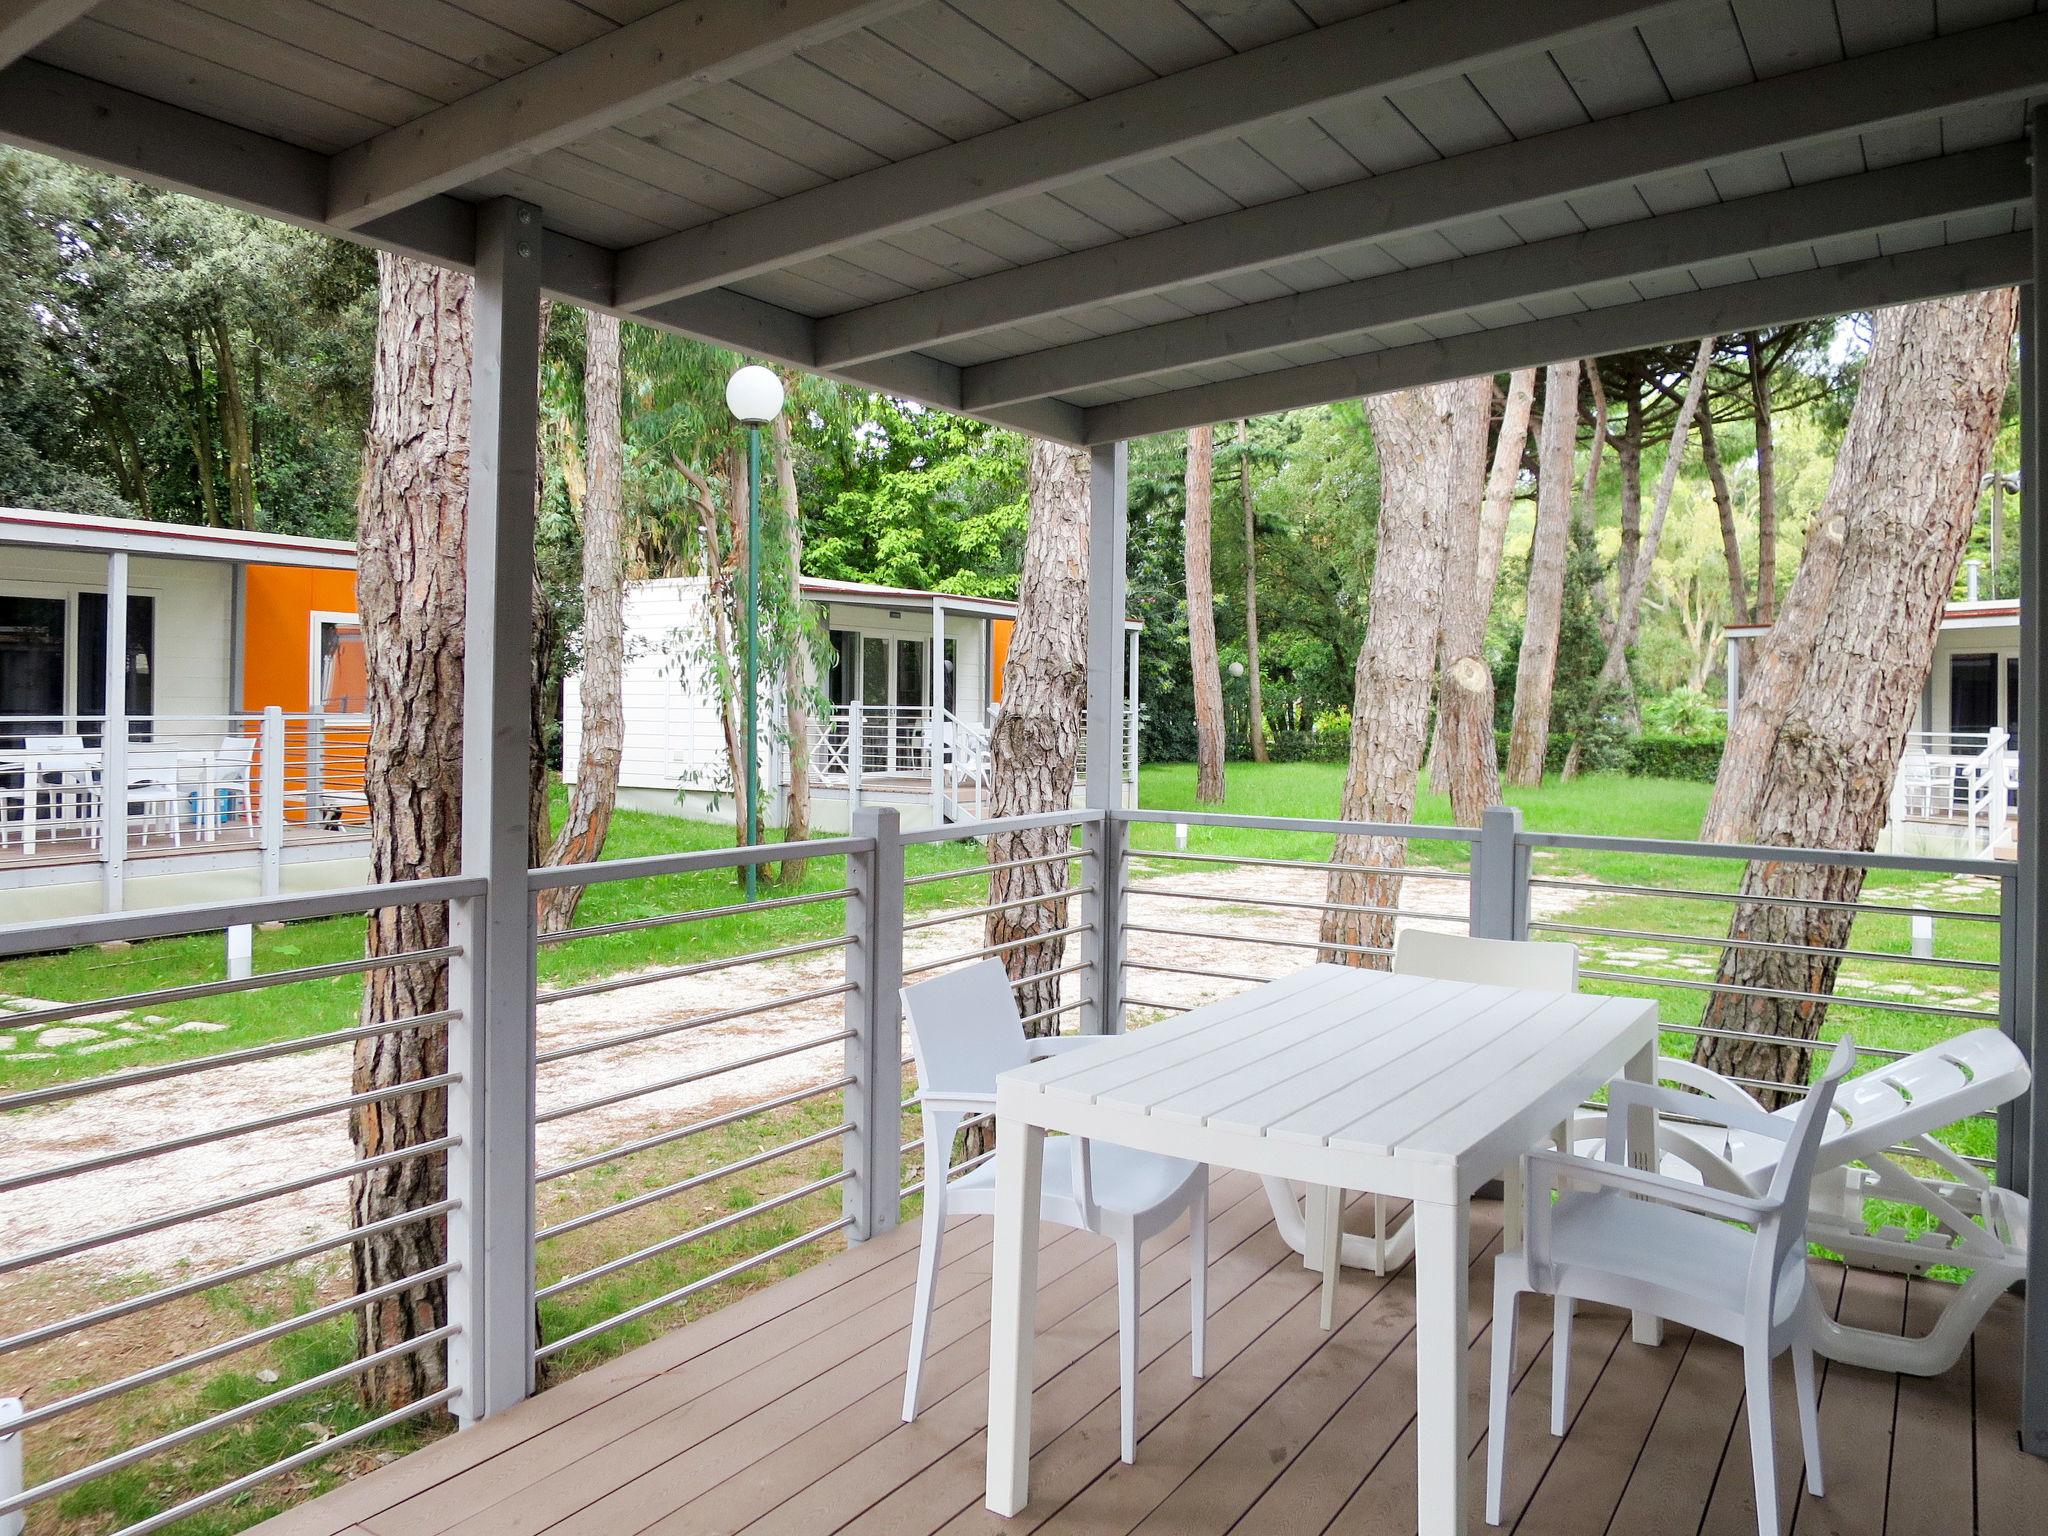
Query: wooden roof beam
{"points": [[1394, 49], [26, 25], [2003, 62]]}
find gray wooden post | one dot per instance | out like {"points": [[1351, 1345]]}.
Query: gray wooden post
{"points": [[935, 738], [492, 984], [114, 738], [855, 746], [874, 1012], [270, 750], [2022, 970], [1102, 789], [1102, 1010], [1496, 873]]}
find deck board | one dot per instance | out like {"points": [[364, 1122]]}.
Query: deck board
{"points": [[778, 1415]]}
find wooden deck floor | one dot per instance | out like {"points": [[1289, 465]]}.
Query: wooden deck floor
{"points": [[779, 1414]]}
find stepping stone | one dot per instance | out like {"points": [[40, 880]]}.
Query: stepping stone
{"points": [[68, 1036], [26, 1004], [6, 1042], [154, 1018], [108, 1045], [197, 1027], [34, 1056]]}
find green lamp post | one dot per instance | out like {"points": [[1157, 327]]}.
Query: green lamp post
{"points": [[754, 396]]}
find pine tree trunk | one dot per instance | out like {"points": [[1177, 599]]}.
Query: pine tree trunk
{"points": [[1416, 434], [1905, 490], [1468, 762], [1628, 464], [1724, 508], [796, 677], [1201, 600], [580, 838], [1037, 738], [1251, 590], [1536, 673], [411, 513], [1766, 483]]}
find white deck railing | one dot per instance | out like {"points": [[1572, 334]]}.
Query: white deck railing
{"points": [[1967, 779], [634, 1137]]}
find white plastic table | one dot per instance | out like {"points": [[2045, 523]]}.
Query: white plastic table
{"points": [[1421, 1090]]}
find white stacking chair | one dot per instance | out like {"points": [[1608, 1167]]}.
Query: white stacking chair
{"points": [[227, 782], [1439, 957], [964, 1030], [1627, 1237]]}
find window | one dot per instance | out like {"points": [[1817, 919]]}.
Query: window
{"points": [[92, 661], [343, 679], [951, 674], [1972, 693], [845, 665], [31, 666]]}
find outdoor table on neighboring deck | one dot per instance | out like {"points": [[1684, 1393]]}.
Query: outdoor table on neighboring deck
{"points": [[1421, 1090]]}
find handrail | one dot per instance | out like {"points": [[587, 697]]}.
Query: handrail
{"points": [[553, 877], [1300, 824], [1767, 853]]}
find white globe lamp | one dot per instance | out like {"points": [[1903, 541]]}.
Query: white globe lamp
{"points": [[754, 395]]}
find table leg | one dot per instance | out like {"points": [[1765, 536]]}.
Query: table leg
{"points": [[1442, 1259], [1646, 1328], [1020, 1168]]}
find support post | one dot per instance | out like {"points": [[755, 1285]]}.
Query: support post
{"points": [[937, 741], [1131, 723], [855, 749], [114, 738], [1102, 1009], [12, 1480], [492, 984], [270, 798], [1108, 474], [1495, 873], [874, 1012], [753, 646]]}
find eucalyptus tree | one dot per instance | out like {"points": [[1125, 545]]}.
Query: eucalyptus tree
{"points": [[1536, 671], [1196, 556]]}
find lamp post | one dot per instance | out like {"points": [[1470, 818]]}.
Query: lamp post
{"points": [[754, 396]]}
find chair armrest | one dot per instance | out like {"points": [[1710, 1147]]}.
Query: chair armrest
{"points": [[1624, 1094], [1549, 1170], [972, 1103]]}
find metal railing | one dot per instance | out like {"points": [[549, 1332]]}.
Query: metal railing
{"points": [[1968, 780]]}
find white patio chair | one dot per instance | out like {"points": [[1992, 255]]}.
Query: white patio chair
{"points": [[1975, 1224], [1626, 1237], [227, 782], [964, 1030], [1440, 957]]}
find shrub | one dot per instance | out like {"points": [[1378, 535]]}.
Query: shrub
{"points": [[1309, 747], [1675, 757]]}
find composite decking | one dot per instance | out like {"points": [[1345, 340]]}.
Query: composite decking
{"points": [[779, 1414]]}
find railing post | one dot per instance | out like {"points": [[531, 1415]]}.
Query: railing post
{"points": [[316, 768], [270, 801], [114, 738], [12, 1480], [874, 1012], [1499, 894], [855, 747], [1102, 1011]]}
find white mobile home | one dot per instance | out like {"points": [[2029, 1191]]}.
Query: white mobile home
{"points": [[900, 731]]}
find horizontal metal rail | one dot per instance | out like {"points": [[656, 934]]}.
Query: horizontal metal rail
{"points": [[1254, 938], [213, 1352], [291, 1463], [1705, 941], [1768, 854], [1066, 856], [58, 933], [960, 831], [227, 1203], [681, 1239], [1148, 1002], [1055, 1010], [696, 968], [1880, 909], [1320, 866], [177, 1437], [967, 1165], [45, 1332], [1235, 900], [700, 914], [695, 1181], [1195, 970], [141, 1075], [963, 914], [128, 1002], [685, 1292], [988, 950], [1302, 824], [606, 871], [695, 1128], [1832, 999], [1780, 1042], [224, 1133], [695, 1021], [546, 1117]]}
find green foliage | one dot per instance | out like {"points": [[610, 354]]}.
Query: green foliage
{"points": [[1683, 712], [1693, 758]]}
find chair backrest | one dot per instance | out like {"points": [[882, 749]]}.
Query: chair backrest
{"points": [[236, 754], [1791, 1188], [1495, 962], [1970, 1075], [964, 1029], [35, 744]]}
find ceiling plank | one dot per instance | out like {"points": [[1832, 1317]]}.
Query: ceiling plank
{"points": [[1394, 49], [658, 59], [26, 25], [2005, 61], [1848, 205], [1883, 280]]}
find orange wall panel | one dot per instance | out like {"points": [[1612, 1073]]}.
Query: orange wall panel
{"points": [[278, 604], [999, 654]]}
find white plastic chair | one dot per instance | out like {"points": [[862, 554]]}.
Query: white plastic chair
{"points": [[1440, 957], [964, 1030], [1976, 1225], [1630, 1238], [227, 782]]}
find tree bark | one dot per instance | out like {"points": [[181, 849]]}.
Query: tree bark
{"points": [[1037, 738], [1724, 506], [580, 839], [1251, 590], [1904, 490], [1766, 482], [411, 512], [1201, 598], [1468, 761], [1628, 464], [1536, 672], [1634, 580], [796, 677], [1416, 432], [1583, 511]]}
